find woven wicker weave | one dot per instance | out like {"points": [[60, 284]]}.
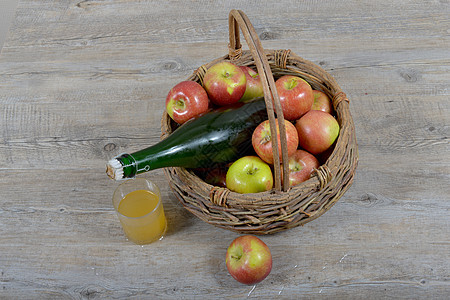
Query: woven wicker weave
{"points": [[282, 207]]}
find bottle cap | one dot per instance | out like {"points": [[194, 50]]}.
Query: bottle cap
{"points": [[114, 169]]}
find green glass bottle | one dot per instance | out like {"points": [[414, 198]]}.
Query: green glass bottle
{"points": [[219, 136]]}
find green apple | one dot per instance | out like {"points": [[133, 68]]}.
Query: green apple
{"points": [[249, 174]]}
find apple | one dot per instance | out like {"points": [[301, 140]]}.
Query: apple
{"points": [[296, 96], [301, 166], [225, 83], [216, 176], [248, 259], [323, 157], [317, 131], [254, 87], [262, 140], [186, 100], [321, 102], [249, 174]]}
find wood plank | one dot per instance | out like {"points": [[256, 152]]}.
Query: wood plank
{"points": [[107, 22]]}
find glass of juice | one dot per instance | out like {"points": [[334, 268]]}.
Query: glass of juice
{"points": [[139, 208]]}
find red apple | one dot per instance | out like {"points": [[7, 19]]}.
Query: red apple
{"points": [[262, 140], [216, 176], [321, 102], [254, 87], [249, 174], [186, 100], [301, 166], [317, 131], [323, 157], [296, 97], [225, 83], [248, 259]]}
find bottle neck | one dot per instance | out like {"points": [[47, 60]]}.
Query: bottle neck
{"points": [[125, 166], [121, 167], [217, 137]]}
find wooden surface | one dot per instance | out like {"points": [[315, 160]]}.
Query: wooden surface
{"points": [[82, 81]]}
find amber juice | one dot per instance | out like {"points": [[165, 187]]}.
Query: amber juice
{"points": [[140, 211]]}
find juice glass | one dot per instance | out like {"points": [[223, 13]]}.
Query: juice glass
{"points": [[138, 205]]}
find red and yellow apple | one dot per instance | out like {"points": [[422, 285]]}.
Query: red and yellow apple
{"points": [[296, 97], [186, 100], [225, 83], [262, 140], [248, 259], [249, 174], [254, 87], [321, 102], [317, 131], [301, 166]]}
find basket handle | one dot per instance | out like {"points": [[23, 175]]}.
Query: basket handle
{"points": [[237, 19]]}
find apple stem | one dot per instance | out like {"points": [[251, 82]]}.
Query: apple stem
{"points": [[180, 103], [252, 170], [267, 136], [292, 83]]}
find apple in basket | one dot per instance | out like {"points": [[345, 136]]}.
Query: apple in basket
{"points": [[186, 100], [296, 97], [262, 140], [217, 176], [249, 174], [301, 165], [321, 102], [225, 83], [254, 87], [248, 259], [317, 131]]}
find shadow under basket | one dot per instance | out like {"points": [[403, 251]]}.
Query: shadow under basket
{"points": [[283, 208]]}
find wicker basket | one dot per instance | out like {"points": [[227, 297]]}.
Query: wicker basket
{"points": [[282, 207]]}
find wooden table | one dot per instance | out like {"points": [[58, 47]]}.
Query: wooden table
{"points": [[82, 81]]}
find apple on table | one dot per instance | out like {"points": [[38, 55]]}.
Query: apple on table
{"points": [[262, 140], [224, 83], [248, 259], [254, 86], [186, 100], [249, 174], [296, 96], [317, 131]]}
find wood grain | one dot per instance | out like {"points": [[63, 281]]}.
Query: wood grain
{"points": [[82, 81]]}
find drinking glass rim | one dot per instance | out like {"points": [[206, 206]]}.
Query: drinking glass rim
{"points": [[143, 189]]}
